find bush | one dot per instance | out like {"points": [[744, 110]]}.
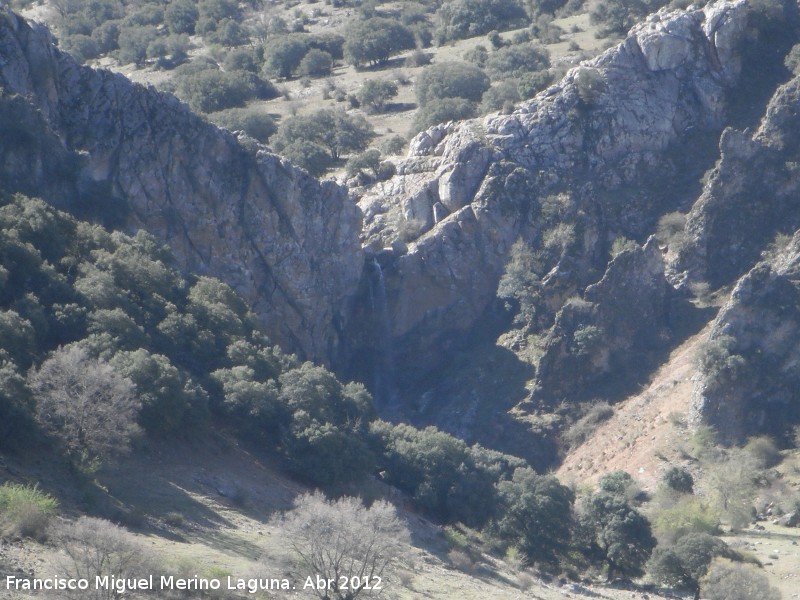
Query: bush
{"points": [[342, 538], [591, 85], [764, 451], [684, 563], [580, 431], [25, 511], [369, 160], [393, 145], [254, 121], [282, 56], [679, 480], [228, 33], [418, 58], [727, 580], [499, 97], [373, 41], [211, 90], [462, 19], [84, 404], [316, 63], [97, 548], [719, 363], [689, 514], [241, 59], [616, 17], [81, 47], [374, 93], [133, 43], [451, 80], [308, 155], [442, 111], [181, 16], [516, 61]]}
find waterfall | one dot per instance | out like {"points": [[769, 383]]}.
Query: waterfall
{"points": [[384, 360]]}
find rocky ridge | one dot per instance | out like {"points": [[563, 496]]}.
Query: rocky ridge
{"points": [[443, 226], [93, 142]]}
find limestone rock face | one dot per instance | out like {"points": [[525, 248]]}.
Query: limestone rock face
{"points": [[750, 197], [468, 190], [287, 242], [619, 320], [751, 384]]}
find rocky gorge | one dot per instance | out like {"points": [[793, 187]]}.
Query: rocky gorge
{"points": [[580, 175]]}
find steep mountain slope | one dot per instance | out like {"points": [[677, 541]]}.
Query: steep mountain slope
{"points": [[98, 145], [611, 136]]}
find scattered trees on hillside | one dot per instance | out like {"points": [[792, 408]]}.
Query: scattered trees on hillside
{"points": [[316, 139], [342, 541], [684, 563]]}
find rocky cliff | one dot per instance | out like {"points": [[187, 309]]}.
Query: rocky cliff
{"points": [[93, 142], [610, 137], [743, 231], [749, 377]]}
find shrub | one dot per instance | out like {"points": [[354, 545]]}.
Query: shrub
{"points": [[686, 562], [181, 16], [442, 111], [373, 41], [369, 160], [451, 80], [418, 58], [580, 431], [591, 85], [97, 548], [81, 47], [228, 33], [133, 43], [342, 538], [718, 361], [499, 97], [84, 404], [282, 55], [616, 17], [316, 63], [727, 580], [679, 479], [515, 61], [393, 145], [241, 59], [374, 93], [254, 121], [764, 451], [25, 511], [211, 91], [462, 19], [688, 514]]}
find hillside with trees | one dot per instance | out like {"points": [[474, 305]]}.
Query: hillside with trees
{"points": [[551, 351]]}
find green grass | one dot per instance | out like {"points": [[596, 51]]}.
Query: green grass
{"points": [[25, 511]]}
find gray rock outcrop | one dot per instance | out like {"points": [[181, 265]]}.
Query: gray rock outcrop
{"points": [[92, 141], [468, 190], [749, 380]]}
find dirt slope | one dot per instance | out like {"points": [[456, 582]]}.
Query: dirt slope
{"points": [[647, 430]]}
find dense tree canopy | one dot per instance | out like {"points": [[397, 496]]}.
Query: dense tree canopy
{"points": [[373, 41]]}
